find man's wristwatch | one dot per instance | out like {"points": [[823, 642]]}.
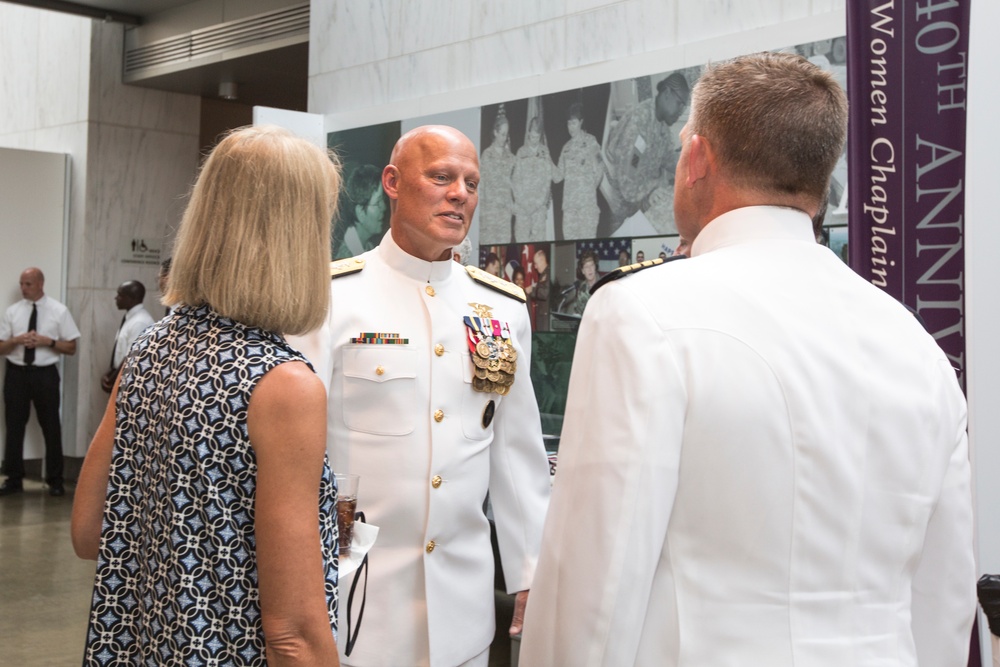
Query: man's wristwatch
{"points": [[52, 343]]}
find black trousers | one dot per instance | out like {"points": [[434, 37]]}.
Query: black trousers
{"points": [[24, 386]]}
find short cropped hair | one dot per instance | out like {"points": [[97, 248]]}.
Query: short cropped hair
{"points": [[777, 122], [134, 290], [254, 241]]}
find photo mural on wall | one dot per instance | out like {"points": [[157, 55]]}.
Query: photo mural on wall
{"points": [[363, 209], [573, 185]]}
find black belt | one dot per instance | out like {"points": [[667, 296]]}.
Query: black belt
{"points": [[21, 367]]}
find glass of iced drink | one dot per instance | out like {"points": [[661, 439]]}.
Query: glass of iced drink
{"points": [[347, 505]]}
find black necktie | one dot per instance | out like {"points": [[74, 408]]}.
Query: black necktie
{"points": [[29, 352], [115, 348]]}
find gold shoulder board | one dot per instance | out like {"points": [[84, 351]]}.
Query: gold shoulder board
{"points": [[498, 284], [345, 267], [622, 271]]}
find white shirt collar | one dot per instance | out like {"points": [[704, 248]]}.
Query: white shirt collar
{"points": [[753, 223], [413, 267]]}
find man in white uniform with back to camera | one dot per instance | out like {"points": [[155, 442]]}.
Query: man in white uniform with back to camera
{"points": [[431, 403], [786, 479]]}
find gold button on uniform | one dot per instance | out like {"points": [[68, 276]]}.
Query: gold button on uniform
{"points": [[430, 546], [438, 415], [436, 481], [429, 290], [439, 349], [380, 370]]}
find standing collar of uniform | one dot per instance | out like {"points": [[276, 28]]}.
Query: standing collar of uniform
{"points": [[413, 267], [134, 310], [753, 223]]}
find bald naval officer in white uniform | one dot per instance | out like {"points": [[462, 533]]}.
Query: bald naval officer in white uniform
{"points": [[428, 436]]}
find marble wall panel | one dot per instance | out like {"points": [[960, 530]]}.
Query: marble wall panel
{"points": [[795, 9], [111, 101], [509, 41], [713, 18], [332, 25], [61, 71], [517, 53], [574, 6], [351, 88], [490, 18], [658, 19], [600, 35], [421, 26], [82, 405], [430, 72], [139, 180], [19, 33], [71, 139]]}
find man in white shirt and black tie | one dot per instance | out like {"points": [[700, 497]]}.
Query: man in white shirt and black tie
{"points": [[33, 333]]}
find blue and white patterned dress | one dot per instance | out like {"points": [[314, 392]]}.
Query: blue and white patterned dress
{"points": [[176, 576]]}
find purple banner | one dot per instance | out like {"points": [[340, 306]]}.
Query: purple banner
{"points": [[907, 67]]}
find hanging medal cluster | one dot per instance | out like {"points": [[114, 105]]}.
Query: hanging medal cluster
{"points": [[493, 354]]}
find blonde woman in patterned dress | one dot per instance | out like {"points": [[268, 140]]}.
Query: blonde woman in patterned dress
{"points": [[205, 496]]}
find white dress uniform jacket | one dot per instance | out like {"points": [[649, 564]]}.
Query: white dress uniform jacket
{"points": [[405, 418], [784, 479]]}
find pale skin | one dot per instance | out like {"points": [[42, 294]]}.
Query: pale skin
{"points": [[432, 183], [703, 191], [32, 284], [286, 419]]}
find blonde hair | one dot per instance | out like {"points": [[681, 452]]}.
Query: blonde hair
{"points": [[254, 243]]}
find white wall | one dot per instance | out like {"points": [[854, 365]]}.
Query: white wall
{"points": [[982, 241], [391, 59], [34, 195], [133, 153]]}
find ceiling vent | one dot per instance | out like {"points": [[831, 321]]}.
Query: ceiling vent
{"points": [[253, 34]]}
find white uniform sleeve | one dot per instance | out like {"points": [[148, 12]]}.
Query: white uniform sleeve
{"points": [[944, 594], [613, 492], [519, 472]]}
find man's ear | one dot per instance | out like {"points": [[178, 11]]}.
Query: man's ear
{"points": [[390, 181], [701, 159]]}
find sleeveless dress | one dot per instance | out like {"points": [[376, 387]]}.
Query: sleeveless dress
{"points": [[176, 579]]}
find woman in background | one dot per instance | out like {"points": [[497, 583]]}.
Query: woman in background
{"points": [[205, 496], [496, 202], [532, 183], [581, 167], [587, 276]]}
